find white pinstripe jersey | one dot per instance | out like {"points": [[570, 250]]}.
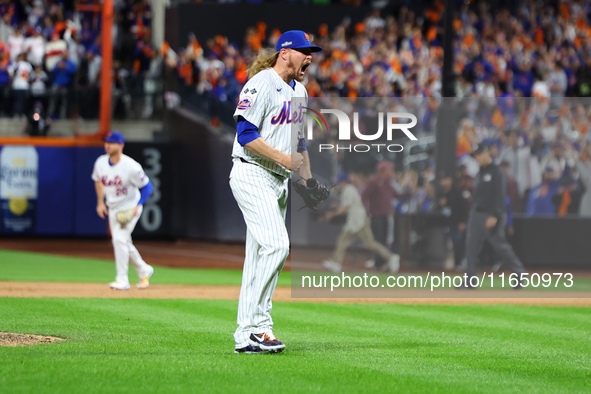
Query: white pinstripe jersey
{"points": [[266, 102]]}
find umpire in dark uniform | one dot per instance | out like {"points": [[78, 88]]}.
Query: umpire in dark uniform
{"points": [[488, 215]]}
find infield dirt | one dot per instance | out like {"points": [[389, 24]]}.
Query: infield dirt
{"points": [[12, 339], [282, 294]]}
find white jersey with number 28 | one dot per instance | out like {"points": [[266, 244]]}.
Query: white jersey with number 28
{"points": [[121, 181]]}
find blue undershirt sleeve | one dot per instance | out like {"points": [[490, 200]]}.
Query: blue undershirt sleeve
{"points": [[302, 145], [145, 193], [509, 212], [247, 132]]}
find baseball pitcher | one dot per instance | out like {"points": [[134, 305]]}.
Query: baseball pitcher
{"points": [[263, 163]]}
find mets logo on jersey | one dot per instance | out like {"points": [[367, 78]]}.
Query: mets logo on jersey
{"points": [[245, 103], [286, 116], [117, 181]]}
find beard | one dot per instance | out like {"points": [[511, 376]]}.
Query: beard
{"points": [[296, 71]]}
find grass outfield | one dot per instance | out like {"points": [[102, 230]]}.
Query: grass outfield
{"points": [[186, 346], [37, 267], [144, 345]]}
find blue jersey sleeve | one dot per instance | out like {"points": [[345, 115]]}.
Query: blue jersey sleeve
{"points": [[247, 132], [302, 145], [145, 192], [509, 212]]}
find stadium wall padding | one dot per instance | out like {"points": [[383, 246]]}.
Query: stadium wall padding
{"points": [[66, 199], [547, 242], [206, 208]]}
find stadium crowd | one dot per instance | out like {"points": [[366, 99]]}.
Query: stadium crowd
{"points": [[517, 72], [538, 51], [50, 56]]}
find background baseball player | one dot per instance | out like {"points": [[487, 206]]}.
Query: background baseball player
{"points": [[122, 182], [263, 161]]}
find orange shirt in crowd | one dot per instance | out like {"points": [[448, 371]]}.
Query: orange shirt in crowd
{"points": [[463, 146]]}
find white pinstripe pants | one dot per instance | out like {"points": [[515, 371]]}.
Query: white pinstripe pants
{"points": [[262, 198]]}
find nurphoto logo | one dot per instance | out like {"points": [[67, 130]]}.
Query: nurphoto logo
{"points": [[392, 121]]}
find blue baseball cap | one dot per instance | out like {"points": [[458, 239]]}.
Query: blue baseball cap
{"points": [[342, 177], [114, 138], [295, 39]]}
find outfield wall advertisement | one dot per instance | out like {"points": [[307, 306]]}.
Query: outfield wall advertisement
{"points": [[18, 188]]}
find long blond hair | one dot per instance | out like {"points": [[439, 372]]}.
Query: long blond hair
{"points": [[265, 59]]}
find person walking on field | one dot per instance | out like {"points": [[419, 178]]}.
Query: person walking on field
{"points": [[378, 197], [488, 217], [121, 182]]}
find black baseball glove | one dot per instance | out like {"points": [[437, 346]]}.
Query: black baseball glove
{"points": [[313, 193]]}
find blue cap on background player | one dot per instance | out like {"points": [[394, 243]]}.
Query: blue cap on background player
{"points": [[114, 138], [295, 39], [342, 177]]}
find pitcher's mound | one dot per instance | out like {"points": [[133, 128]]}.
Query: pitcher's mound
{"points": [[13, 339]]}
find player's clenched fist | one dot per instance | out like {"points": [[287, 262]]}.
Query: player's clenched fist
{"points": [[297, 160]]}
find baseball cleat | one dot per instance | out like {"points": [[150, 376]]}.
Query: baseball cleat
{"points": [[265, 343], [119, 286], [332, 266], [518, 286], [248, 350], [394, 264], [466, 286], [145, 280]]}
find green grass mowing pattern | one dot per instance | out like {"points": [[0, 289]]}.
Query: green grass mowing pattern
{"points": [[120, 345], [37, 267]]}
